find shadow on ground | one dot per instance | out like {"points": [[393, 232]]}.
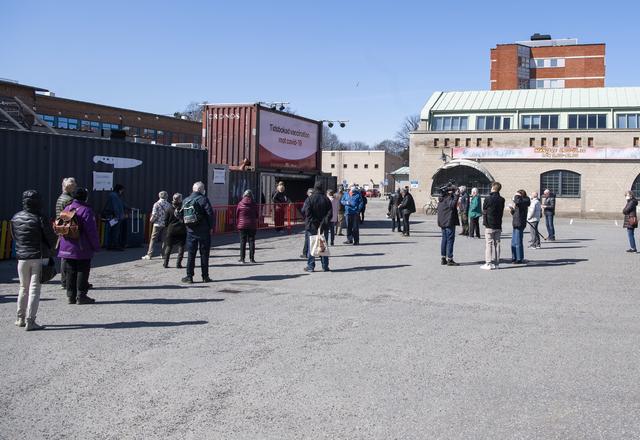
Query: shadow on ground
{"points": [[122, 325]]}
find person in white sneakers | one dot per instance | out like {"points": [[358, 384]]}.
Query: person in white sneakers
{"points": [[158, 218], [533, 218]]}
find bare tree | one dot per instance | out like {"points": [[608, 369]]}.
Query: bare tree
{"points": [[330, 140], [409, 124], [192, 112], [357, 146], [390, 146]]}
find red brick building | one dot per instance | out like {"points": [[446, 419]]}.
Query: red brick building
{"points": [[67, 116], [546, 63]]}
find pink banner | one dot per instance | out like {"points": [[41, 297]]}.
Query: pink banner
{"points": [[578, 153]]}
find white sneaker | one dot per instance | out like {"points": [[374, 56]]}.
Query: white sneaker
{"points": [[486, 266], [146, 257]]}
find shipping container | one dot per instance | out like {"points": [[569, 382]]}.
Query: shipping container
{"points": [[40, 161], [230, 133]]}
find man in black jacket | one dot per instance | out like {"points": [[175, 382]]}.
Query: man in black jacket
{"points": [[448, 220], [198, 232], [406, 208], [317, 216], [463, 210], [394, 213], [519, 210], [34, 239], [492, 212]]}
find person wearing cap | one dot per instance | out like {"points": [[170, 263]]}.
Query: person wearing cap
{"points": [[176, 232], [157, 219], [34, 239], [79, 252], [247, 223]]}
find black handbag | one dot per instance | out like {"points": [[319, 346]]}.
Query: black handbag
{"points": [[48, 271]]}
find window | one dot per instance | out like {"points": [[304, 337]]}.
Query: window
{"points": [[589, 142], [554, 142], [355, 165], [62, 122], [636, 142], [635, 187], [467, 142], [541, 63], [478, 142], [344, 165], [493, 123], [73, 124], [546, 83], [578, 142], [540, 122], [489, 142], [456, 142], [366, 166], [148, 133], [567, 141], [95, 126], [587, 121], [629, 120], [543, 142], [532, 142], [375, 166], [446, 142], [333, 153], [435, 142], [333, 165], [563, 183], [450, 123], [49, 120]]}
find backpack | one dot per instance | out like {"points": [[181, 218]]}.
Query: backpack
{"points": [[191, 212], [66, 225]]}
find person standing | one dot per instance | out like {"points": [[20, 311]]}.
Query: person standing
{"points": [[79, 252], [352, 202], [305, 246], [68, 186], [363, 194], [475, 212], [330, 233], [158, 219], [549, 211], [34, 239], [280, 201], [492, 212], [447, 221], [631, 219], [176, 234], [533, 218], [316, 220], [519, 210], [197, 215], [114, 214], [340, 221], [247, 222], [394, 213], [463, 210], [406, 208]]}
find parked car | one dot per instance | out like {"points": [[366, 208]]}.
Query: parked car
{"points": [[372, 193]]}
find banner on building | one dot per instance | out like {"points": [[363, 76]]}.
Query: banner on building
{"points": [[577, 153]]}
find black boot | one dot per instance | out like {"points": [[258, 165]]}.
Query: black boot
{"points": [[84, 299]]}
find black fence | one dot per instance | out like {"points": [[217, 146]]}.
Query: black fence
{"points": [[40, 161]]}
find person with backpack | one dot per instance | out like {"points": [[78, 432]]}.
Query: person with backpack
{"points": [[247, 224], [176, 232], [406, 207], [34, 239], [519, 209], [78, 246], [64, 200], [197, 215], [157, 219]]}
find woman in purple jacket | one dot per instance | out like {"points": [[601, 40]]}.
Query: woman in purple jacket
{"points": [[79, 252], [247, 223]]}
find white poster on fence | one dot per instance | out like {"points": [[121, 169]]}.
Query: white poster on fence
{"points": [[219, 176], [102, 181]]}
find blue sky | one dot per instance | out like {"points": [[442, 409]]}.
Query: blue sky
{"points": [[372, 63]]}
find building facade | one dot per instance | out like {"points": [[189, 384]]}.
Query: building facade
{"points": [[584, 144], [545, 63], [68, 116], [369, 169]]}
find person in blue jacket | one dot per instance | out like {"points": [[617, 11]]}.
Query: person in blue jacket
{"points": [[353, 204]]}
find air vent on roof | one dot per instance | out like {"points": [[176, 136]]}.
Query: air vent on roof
{"points": [[538, 37]]}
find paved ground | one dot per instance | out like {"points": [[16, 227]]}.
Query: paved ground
{"points": [[390, 345]]}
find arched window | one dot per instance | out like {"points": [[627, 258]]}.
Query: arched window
{"points": [[636, 186], [461, 175], [561, 182]]}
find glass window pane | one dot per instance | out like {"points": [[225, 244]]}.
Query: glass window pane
{"points": [[570, 184], [447, 123], [592, 121], [490, 121], [480, 123], [632, 121], [602, 121], [553, 122], [526, 122], [437, 124], [544, 122], [506, 123], [553, 63], [573, 121], [582, 121], [622, 121], [455, 123], [464, 123], [535, 122]]}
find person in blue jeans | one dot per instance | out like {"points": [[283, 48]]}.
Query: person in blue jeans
{"points": [[197, 215], [317, 217], [549, 211], [519, 210], [631, 219], [447, 221], [353, 204]]}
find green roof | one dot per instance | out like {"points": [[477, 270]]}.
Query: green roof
{"points": [[401, 170]]}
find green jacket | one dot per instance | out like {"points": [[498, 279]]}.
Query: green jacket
{"points": [[475, 207]]}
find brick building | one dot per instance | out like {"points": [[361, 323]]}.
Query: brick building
{"points": [[33, 107], [546, 63]]}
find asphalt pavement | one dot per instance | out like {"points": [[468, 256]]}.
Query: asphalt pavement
{"points": [[388, 345]]}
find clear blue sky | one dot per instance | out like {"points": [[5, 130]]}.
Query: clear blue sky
{"points": [[372, 63]]}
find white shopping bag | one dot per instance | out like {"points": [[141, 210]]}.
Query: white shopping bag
{"points": [[319, 246]]}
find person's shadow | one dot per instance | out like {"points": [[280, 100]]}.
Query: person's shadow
{"points": [[122, 325]]}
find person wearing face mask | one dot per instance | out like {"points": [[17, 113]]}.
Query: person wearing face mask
{"points": [[519, 210], [631, 219]]}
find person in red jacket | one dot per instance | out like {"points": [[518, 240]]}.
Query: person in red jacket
{"points": [[247, 223]]}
